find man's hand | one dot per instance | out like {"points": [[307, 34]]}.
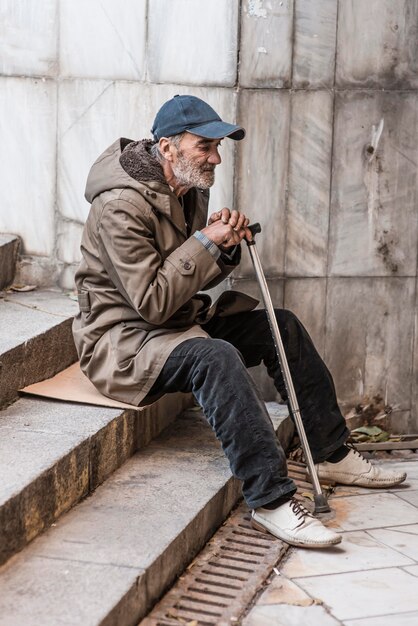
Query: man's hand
{"points": [[227, 228]]}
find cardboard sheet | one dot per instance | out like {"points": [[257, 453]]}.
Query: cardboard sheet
{"points": [[71, 385]]}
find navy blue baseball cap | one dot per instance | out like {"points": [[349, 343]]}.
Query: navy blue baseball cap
{"points": [[189, 113]]}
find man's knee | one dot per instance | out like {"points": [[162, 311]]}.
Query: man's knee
{"points": [[218, 350], [286, 316], [292, 332], [287, 320]]}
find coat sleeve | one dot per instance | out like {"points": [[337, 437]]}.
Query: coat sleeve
{"points": [[155, 287], [227, 265]]}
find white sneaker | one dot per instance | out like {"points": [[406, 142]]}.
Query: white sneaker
{"points": [[354, 469], [292, 523]]}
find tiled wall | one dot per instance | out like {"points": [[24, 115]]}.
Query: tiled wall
{"points": [[327, 90]]}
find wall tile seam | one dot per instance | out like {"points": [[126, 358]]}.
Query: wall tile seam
{"points": [[395, 88], [324, 87], [374, 90], [69, 220], [236, 83], [238, 53], [233, 88], [293, 42], [414, 358], [146, 44], [237, 86], [393, 276], [270, 276], [286, 198], [68, 79], [55, 251], [236, 98], [43, 77], [347, 89], [113, 78], [331, 171], [116, 81], [289, 150], [185, 83]]}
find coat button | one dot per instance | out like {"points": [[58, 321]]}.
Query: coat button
{"points": [[187, 265]]}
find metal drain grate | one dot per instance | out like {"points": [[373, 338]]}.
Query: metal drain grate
{"points": [[218, 585], [223, 579]]}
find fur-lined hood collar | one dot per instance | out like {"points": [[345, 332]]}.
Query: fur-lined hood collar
{"points": [[137, 161], [125, 163]]}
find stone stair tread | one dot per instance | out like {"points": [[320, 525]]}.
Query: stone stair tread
{"points": [[108, 559], [52, 454], [36, 433], [27, 314], [6, 238], [35, 338]]}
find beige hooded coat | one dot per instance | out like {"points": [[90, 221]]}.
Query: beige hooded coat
{"points": [[140, 273]]}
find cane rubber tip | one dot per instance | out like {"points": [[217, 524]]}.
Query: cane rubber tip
{"points": [[321, 504]]}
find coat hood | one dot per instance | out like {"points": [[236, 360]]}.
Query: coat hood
{"points": [[125, 163]]}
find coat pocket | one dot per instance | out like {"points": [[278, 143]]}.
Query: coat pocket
{"points": [[126, 340]]}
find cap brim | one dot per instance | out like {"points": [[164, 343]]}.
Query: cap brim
{"points": [[217, 130]]}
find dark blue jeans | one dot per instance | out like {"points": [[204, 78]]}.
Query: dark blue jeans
{"points": [[215, 371]]}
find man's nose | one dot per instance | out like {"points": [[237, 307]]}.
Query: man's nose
{"points": [[214, 157]]}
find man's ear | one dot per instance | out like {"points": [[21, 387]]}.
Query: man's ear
{"points": [[166, 148]]}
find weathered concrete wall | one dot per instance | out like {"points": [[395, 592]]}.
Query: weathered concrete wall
{"points": [[327, 90]]}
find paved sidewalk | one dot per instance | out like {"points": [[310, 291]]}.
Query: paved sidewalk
{"points": [[370, 579]]}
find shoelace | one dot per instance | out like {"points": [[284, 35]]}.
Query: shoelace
{"points": [[299, 510], [354, 449]]}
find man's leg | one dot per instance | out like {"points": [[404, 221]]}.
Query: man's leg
{"points": [[214, 372], [324, 424], [250, 333]]}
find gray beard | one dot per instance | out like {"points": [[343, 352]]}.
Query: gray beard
{"points": [[191, 175]]}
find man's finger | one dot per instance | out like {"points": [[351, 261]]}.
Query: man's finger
{"points": [[242, 233], [233, 220], [241, 221], [248, 233], [225, 215], [214, 217]]}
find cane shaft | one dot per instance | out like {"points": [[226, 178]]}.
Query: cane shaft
{"points": [[294, 406]]}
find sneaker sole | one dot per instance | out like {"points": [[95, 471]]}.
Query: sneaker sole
{"points": [[257, 526]]}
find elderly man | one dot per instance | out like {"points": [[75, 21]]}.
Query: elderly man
{"points": [[145, 328]]}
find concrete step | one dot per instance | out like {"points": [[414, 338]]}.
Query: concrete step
{"points": [[109, 559], [53, 454], [35, 339], [9, 249]]}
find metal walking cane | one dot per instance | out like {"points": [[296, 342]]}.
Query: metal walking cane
{"points": [[321, 504]]}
